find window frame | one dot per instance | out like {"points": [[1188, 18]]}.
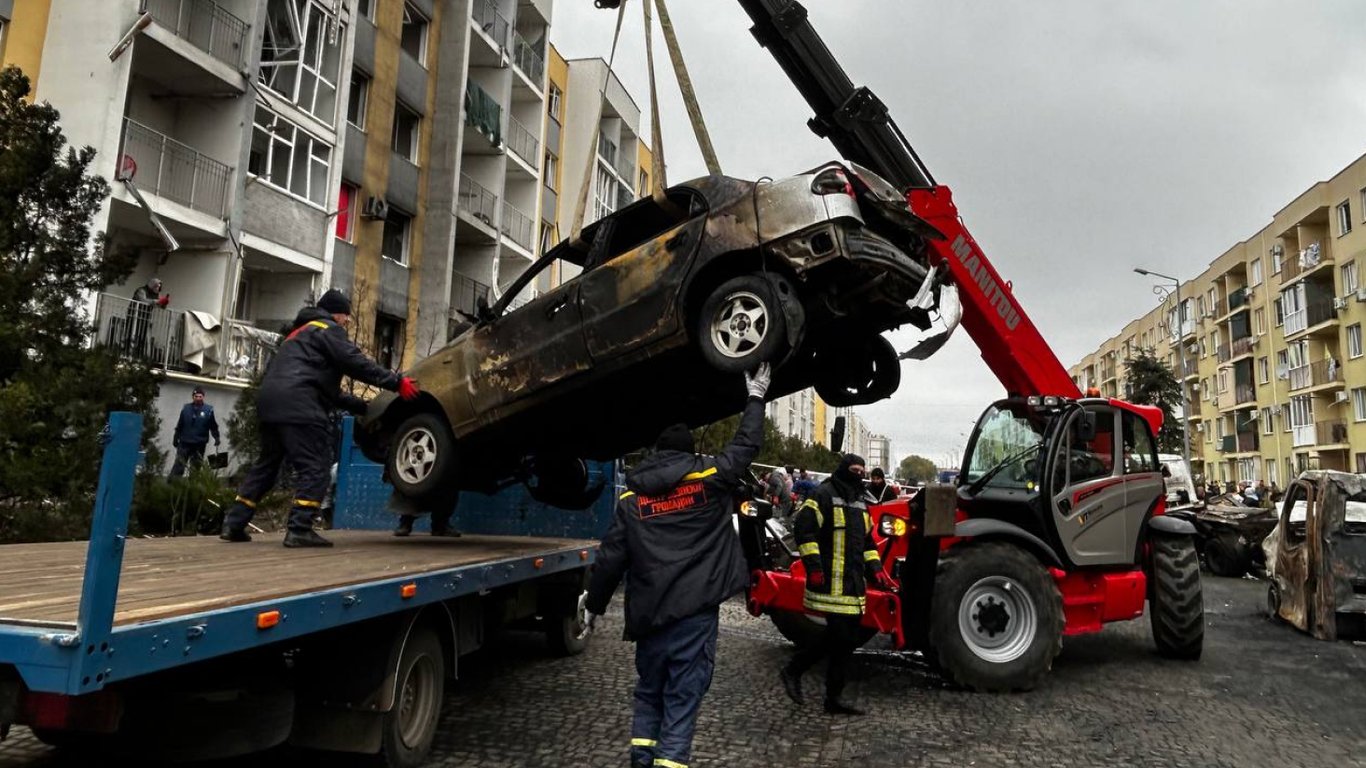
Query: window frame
{"points": [[1354, 345], [384, 320], [1359, 404], [360, 83], [292, 141], [410, 12], [1351, 278], [1344, 216], [407, 238], [1255, 276], [1264, 370], [346, 217], [554, 102], [416, 133], [307, 61]]}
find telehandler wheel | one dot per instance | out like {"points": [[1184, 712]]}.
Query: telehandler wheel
{"points": [[804, 630], [1175, 602], [996, 620], [411, 725]]}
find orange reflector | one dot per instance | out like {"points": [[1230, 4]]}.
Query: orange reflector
{"points": [[408, 590], [267, 619], [538, 562], [583, 554]]}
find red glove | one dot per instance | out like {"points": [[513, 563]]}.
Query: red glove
{"points": [[815, 578], [407, 388], [164, 300]]}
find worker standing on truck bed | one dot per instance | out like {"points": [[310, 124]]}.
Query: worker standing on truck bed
{"points": [[302, 386], [672, 533], [835, 537]]}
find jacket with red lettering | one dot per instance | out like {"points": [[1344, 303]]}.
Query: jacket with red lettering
{"points": [[672, 536], [302, 384]]}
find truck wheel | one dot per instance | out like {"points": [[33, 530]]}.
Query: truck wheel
{"points": [[422, 461], [410, 725], [741, 325], [996, 620], [562, 632], [1226, 558], [804, 630], [1174, 598]]}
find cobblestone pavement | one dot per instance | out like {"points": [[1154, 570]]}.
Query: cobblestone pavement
{"points": [[1264, 695]]}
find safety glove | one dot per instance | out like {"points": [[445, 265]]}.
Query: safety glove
{"points": [[164, 300], [407, 388], [815, 578], [757, 382]]}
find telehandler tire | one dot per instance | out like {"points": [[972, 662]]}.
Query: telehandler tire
{"points": [[1175, 603]]}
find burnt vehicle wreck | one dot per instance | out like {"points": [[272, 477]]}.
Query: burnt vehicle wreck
{"points": [[673, 298], [1316, 556]]}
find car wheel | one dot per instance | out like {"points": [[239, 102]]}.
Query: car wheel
{"points": [[421, 463], [858, 374], [562, 482], [741, 325]]}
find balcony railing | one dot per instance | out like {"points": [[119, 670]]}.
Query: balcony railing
{"points": [[494, 24], [1193, 406], [1307, 259], [173, 339], [175, 171], [527, 58], [1239, 298], [484, 113], [1243, 442], [1320, 311], [1331, 432], [1316, 373], [1224, 352], [477, 201], [1241, 347], [524, 143], [204, 24], [465, 293], [1244, 393], [1190, 367], [517, 226]]}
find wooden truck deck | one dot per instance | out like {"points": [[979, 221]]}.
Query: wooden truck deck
{"points": [[40, 584]]}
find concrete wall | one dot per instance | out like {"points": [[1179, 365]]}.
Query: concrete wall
{"points": [[175, 393], [288, 221]]}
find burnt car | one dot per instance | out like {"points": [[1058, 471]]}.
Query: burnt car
{"points": [[673, 297], [1316, 555]]}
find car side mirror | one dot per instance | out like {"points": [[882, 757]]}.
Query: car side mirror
{"points": [[1166, 471], [837, 436], [1084, 428]]}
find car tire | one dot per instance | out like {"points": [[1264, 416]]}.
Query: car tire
{"points": [[996, 620], [741, 325], [422, 460], [858, 374], [563, 482], [1226, 558], [1175, 603]]}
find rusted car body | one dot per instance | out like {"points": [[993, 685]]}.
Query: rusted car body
{"points": [[597, 365], [1316, 556]]}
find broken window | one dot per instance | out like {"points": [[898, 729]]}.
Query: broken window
{"points": [[394, 244], [388, 341], [358, 99], [287, 157], [407, 123], [300, 55], [413, 38]]}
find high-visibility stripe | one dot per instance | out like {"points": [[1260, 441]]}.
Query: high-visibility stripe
{"points": [[867, 523], [848, 605], [644, 743], [870, 556], [708, 472], [811, 504], [837, 555], [627, 495], [248, 503], [307, 503], [664, 763], [304, 327], [809, 548]]}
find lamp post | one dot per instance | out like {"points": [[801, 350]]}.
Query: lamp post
{"points": [[1181, 351]]}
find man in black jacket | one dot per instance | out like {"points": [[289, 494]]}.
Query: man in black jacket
{"points": [[672, 534], [301, 388], [834, 535], [192, 431]]}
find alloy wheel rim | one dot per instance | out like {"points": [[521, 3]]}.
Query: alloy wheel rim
{"points": [[416, 455], [740, 325]]}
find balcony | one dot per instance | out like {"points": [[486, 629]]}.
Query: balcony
{"points": [[1224, 352], [175, 340], [1333, 432], [517, 226], [1239, 299], [1243, 442], [624, 196], [1308, 260], [494, 24], [1190, 368], [607, 150], [465, 294], [1315, 313], [478, 202], [205, 25], [485, 115], [1315, 374], [1241, 347], [626, 168], [524, 143], [1244, 393], [177, 172], [527, 59]]}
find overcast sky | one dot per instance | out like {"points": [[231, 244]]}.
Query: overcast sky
{"points": [[1080, 138]]}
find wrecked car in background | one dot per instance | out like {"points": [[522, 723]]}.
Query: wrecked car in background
{"points": [[668, 301], [1316, 556]]}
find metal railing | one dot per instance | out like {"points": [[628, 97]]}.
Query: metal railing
{"points": [[1224, 351], [173, 170], [1242, 346], [1315, 373], [524, 143], [204, 24], [494, 24], [527, 58], [477, 201], [1330, 432], [158, 337], [1239, 298], [517, 226], [1306, 260], [465, 293], [1315, 312]]}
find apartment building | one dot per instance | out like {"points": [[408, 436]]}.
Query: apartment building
{"points": [[880, 454], [1272, 338], [23, 28]]}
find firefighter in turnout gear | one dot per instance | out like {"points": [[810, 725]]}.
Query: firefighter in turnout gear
{"points": [[834, 536], [673, 535], [301, 389]]}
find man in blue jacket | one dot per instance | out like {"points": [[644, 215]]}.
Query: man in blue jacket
{"points": [[673, 535], [192, 432], [300, 390]]}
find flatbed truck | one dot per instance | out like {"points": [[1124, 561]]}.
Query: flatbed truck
{"points": [[191, 648]]}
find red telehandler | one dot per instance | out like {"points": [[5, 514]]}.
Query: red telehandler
{"points": [[1056, 525]]}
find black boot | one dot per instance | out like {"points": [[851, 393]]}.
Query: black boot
{"points": [[405, 525], [305, 538], [792, 684], [234, 534], [833, 706]]}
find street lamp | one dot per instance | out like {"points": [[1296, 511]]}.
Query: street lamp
{"points": [[1181, 349]]}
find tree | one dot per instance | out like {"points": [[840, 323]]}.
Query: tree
{"points": [[55, 390], [917, 469], [778, 449], [1149, 381]]}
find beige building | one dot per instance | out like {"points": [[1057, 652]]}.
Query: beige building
{"points": [[1272, 332]]}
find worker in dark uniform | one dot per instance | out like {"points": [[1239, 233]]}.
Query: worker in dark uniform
{"points": [[834, 536], [302, 386], [673, 535], [192, 431], [879, 489]]}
